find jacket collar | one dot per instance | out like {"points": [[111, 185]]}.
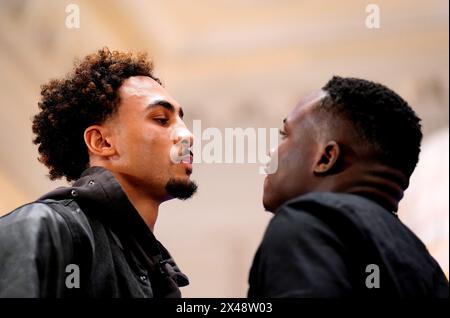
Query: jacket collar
{"points": [[99, 194]]}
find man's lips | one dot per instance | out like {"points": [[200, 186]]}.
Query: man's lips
{"points": [[187, 158], [187, 163], [188, 167]]}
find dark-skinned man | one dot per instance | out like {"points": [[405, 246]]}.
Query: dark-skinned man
{"points": [[339, 173]]}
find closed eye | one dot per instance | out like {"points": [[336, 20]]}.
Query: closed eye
{"points": [[162, 121]]}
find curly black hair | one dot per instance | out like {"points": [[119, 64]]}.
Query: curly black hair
{"points": [[381, 117], [86, 96]]}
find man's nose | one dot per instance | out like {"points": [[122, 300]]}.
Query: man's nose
{"points": [[183, 135]]}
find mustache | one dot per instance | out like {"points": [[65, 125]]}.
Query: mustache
{"points": [[181, 153], [188, 156]]}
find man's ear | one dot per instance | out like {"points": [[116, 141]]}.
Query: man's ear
{"points": [[97, 139], [328, 157]]}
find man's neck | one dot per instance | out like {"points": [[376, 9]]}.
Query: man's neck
{"points": [[375, 181], [145, 205]]}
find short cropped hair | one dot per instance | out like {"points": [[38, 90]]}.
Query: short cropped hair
{"points": [[380, 116]]}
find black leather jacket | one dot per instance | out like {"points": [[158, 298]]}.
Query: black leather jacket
{"points": [[93, 226]]}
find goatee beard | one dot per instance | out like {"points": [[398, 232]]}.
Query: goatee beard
{"points": [[181, 189]]}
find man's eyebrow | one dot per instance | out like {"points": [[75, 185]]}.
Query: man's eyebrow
{"points": [[166, 105]]}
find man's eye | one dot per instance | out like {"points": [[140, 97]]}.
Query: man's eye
{"points": [[162, 121], [283, 134]]}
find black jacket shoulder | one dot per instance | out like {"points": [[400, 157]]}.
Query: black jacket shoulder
{"points": [[44, 236], [321, 244]]}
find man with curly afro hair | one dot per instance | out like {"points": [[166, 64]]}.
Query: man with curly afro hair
{"points": [[111, 129], [345, 158]]}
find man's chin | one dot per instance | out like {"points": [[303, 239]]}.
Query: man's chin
{"points": [[181, 188], [268, 204], [272, 200], [268, 201]]}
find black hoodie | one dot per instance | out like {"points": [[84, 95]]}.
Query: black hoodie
{"points": [[84, 241]]}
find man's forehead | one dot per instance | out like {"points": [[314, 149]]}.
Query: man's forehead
{"points": [[145, 89], [313, 97], [305, 105], [139, 86]]}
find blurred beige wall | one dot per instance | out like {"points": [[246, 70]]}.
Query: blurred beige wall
{"points": [[230, 64]]}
